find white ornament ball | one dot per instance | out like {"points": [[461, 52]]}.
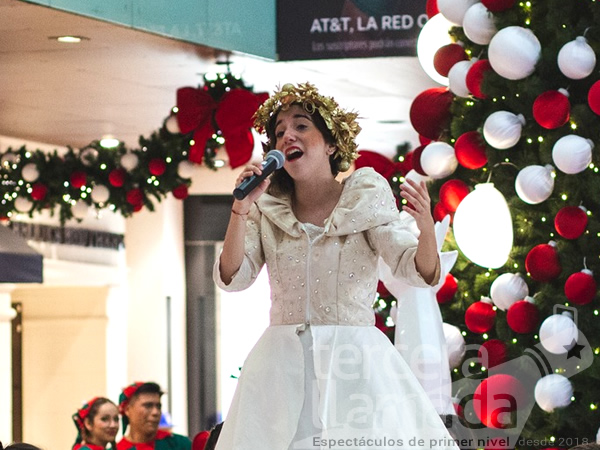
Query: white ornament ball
{"points": [[558, 333], [80, 209], [478, 24], [129, 161], [8, 159], [438, 160], [513, 52], [23, 205], [457, 78], [553, 391], [416, 176], [507, 289], [88, 156], [100, 193], [30, 172], [576, 59], [172, 125], [534, 184], [185, 169], [502, 129], [572, 154], [454, 10], [455, 343]]}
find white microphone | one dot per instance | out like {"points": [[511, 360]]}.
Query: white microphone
{"points": [[273, 161]]}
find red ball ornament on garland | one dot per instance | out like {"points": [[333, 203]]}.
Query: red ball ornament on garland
{"points": [[138, 207], [431, 8], [116, 177], [480, 316], [382, 290], [180, 192], [157, 166], [594, 97], [452, 192], [78, 179], [135, 197], [492, 353], [552, 109], [470, 150], [523, 316], [447, 291], [580, 288], [542, 262], [424, 140], [416, 160], [571, 221], [475, 76], [496, 398], [39, 192], [446, 56], [498, 5], [430, 112], [439, 212]]}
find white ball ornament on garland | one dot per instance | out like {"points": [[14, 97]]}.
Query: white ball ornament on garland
{"points": [[185, 169], [129, 161], [457, 78], [576, 59], [502, 129], [507, 289], [455, 10], [88, 156], [513, 52], [455, 343], [478, 24], [534, 184], [572, 154], [23, 205], [438, 160], [172, 125], [30, 172], [100, 193], [558, 333], [8, 159], [80, 209], [553, 391]]}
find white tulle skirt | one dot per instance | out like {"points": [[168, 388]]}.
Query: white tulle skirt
{"points": [[329, 387]]}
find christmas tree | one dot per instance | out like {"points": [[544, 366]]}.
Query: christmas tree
{"points": [[519, 120]]}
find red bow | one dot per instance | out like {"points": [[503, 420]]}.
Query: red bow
{"points": [[233, 115], [382, 165]]}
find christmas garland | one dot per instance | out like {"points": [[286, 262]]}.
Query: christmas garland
{"points": [[121, 179]]}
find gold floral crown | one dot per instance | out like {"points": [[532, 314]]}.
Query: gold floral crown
{"points": [[341, 123]]}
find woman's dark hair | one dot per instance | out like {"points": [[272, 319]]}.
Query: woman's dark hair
{"points": [[281, 182], [19, 446]]}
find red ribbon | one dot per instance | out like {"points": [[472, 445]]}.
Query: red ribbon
{"points": [[233, 115]]}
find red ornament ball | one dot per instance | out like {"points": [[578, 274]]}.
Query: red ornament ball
{"points": [[39, 192], [452, 193], [475, 76], [594, 97], [523, 317], [157, 166], [382, 290], [480, 317], [116, 177], [78, 179], [181, 192], [498, 5], [431, 8], [469, 149], [580, 288], [552, 109], [542, 262], [424, 140], [571, 221], [430, 112], [446, 56], [496, 398], [416, 160], [135, 197], [447, 291], [492, 353], [138, 207], [439, 212]]}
